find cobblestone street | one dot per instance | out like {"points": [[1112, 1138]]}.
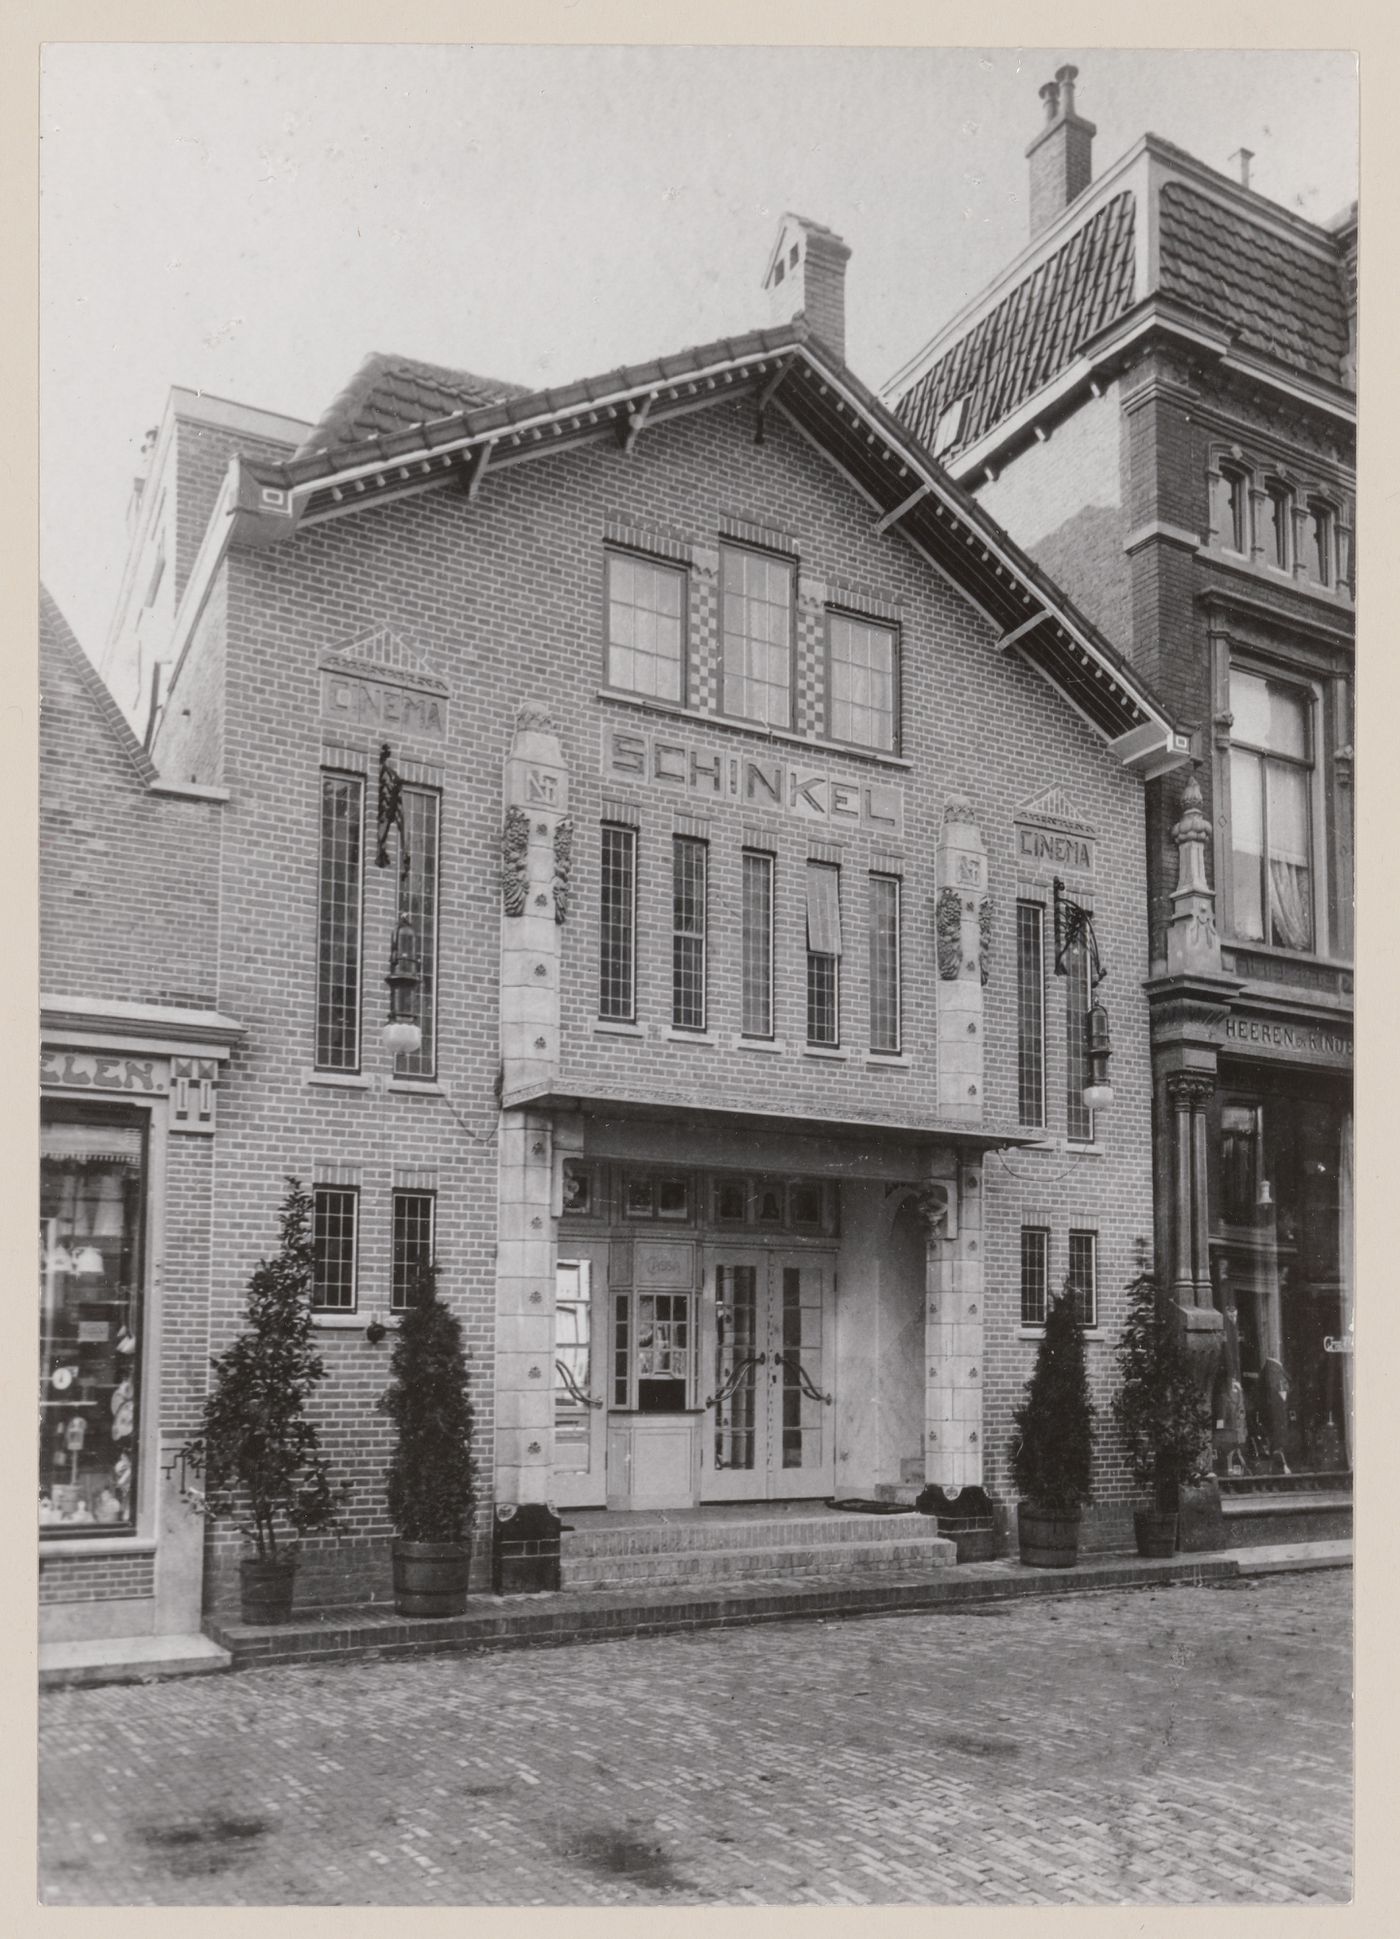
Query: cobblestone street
{"points": [[1186, 1745]]}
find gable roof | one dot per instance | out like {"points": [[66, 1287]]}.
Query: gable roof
{"points": [[788, 371], [1033, 333], [59, 650], [390, 393]]}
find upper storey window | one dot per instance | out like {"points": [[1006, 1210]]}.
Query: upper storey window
{"points": [[1278, 535], [860, 682], [646, 627], [1271, 811], [758, 636], [1322, 542], [1234, 507]]}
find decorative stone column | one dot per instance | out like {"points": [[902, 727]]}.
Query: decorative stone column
{"points": [[963, 921], [954, 1324], [535, 858]]}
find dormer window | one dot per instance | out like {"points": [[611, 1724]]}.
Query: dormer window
{"points": [[950, 425], [1279, 538]]}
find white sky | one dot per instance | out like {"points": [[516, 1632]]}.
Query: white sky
{"points": [[253, 220]]}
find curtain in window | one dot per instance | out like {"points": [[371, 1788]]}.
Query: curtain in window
{"points": [[823, 910], [1290, 876]]}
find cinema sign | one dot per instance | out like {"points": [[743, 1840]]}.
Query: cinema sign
{"points": [[752, 780]]}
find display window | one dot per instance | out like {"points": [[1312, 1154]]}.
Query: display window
{"points": [[1282, 1264], [91, 1246]]}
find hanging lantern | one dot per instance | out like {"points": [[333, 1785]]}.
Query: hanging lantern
{"points": [[1098, 1092], [401, 1033]]}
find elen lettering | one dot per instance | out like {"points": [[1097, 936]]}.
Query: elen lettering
{"points": [[80, 1070]]}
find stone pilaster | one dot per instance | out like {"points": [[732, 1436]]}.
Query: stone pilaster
{"points": [[525, 1262], [536, 854], [954, 1325], [963, 924]]}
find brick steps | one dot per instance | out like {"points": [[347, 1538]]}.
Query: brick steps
{"points": [[735, 1548]]}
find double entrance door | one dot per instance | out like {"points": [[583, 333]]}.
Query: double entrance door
{"points": [[744, 1356]]}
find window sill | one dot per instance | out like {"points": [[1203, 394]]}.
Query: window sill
{"points": [[602, 1028], [1337, 597], [341, 1322], [334, 1080], [1092, 1335], [51, 1543], [831, 1055], [417, 1086], [672, 710], [706, 1037], [1094, 1149], [889, 1060], [757, 1043]]}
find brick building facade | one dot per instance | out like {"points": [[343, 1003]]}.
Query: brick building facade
{"points": [[747, 1125], [1157, 398]]}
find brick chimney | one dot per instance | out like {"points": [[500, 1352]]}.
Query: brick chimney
{"points": [[806, 278], [1061, 156]]}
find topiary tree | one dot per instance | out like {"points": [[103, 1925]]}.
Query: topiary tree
{"points": [[431, 1483], [1052, 1454], [1164, 1416], [258, 1453]]}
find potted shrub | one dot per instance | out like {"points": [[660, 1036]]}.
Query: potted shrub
{"points": [[257, 1455], [1164, 1416], [1053, 1449], [431, 1482]]}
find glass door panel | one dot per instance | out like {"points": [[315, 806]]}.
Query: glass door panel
{"points": [[768, 1420], [801, 1450], [580, 1362]]}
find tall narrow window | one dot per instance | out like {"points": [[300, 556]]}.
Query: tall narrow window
{"points": [[823, 953], [335, 1217], [413, 1246], [860, 692], [1079, 1119], [646, 627], [757, 945], [688, 933], [1083, 1281], [884, 963], [757, 637], [1280, 526], [617, 956], [1035, 1275], [1323, 528], [1270, 811], [338, 923], [420, 904], [1234, 509], [1030, 1012]]}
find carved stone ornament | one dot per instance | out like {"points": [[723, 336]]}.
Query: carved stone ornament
{"points": [[984, 930], [948, 931], [563, 863], [957, 808], [515, 845], [534, 719], [1190, 1090]]}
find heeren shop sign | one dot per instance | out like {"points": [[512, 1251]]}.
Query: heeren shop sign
{"points": [[751, 780]]}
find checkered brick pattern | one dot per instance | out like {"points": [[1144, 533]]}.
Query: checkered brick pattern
{"points": [[810, 710], [706, 647]]}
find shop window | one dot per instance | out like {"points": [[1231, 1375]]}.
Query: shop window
{"points": [[334, 1231], [646, 1196], [1082, 1282], [92, 1195], [419, 902], [730, 1201], [646, 627], [663, 1352], [1079, 1119], [1279, 529], [757, 632], [769, 1202], [688, 884], [1271, 781], [1035, 1275], [617, 965], [756, 945], [860, 681], [338, 923], [1238, 1172], [884, 963], [412, 1245], [579, 1192], [1030, 1012], [805, 1206], [823, 954]]}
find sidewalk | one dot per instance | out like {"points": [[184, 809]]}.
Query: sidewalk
{"points": [[542, 1621]]}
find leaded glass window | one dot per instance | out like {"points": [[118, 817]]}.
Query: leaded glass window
{"points": [[757, 627], [860, 681], [412, 1245], [419, 903], [1035, 1275], [617, 966], [334, 1221], [1271, 811], [756, 945], [823, 953], [884, 963], [338, 923], [1030, 1012], [646, 627], [688, 933]]}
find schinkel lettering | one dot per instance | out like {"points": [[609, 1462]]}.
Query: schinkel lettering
{"points": [[808, 794]]}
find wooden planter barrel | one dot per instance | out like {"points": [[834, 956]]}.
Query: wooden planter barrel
{"points": [[1047, 1541], [430, 1578], [267, 1583], [1155, 1534]]}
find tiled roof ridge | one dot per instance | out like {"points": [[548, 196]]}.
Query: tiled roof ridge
{"points": [[55, 631]]}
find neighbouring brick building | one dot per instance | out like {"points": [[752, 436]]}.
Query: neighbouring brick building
{"points": [[737, 756], [1157, 398]]}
